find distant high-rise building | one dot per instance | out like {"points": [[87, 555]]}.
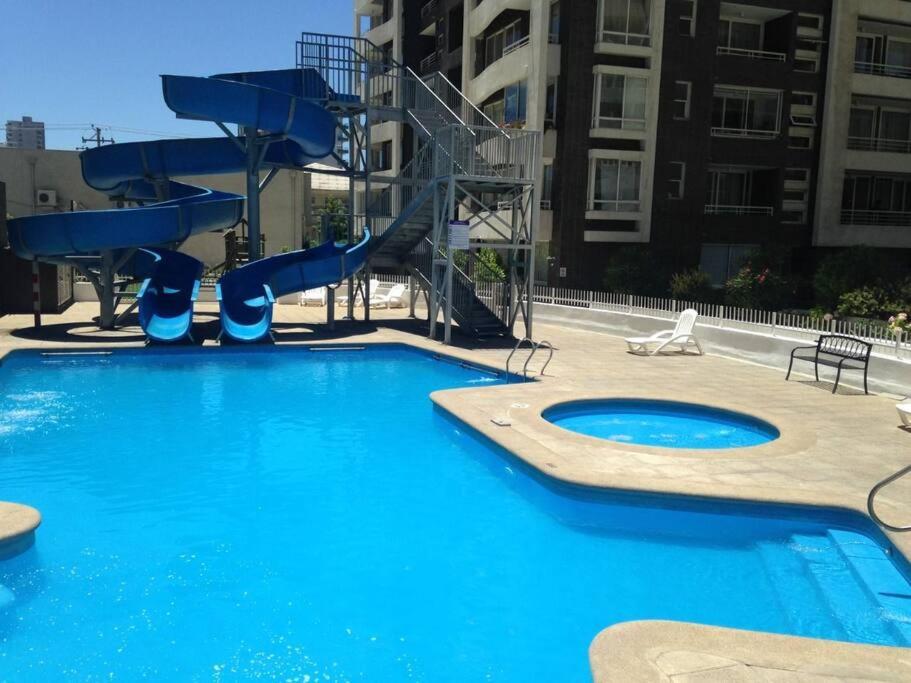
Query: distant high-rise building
{"points": [[25, 134]]}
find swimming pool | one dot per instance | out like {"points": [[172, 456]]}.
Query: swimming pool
{"points": [[231, 513], [670, 424]]}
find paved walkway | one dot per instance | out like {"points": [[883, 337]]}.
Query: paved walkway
{"points": [[833, 448]]}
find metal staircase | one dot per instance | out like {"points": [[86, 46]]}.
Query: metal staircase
{"points": [[463, 167]]}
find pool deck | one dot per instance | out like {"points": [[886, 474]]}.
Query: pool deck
{"points": [[833, 448]]}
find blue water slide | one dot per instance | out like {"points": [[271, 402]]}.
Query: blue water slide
{"points": [[246, 295], [166, 297], [275, 102]]}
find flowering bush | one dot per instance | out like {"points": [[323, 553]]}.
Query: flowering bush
{"points": [[761, 288], [899, 323]]}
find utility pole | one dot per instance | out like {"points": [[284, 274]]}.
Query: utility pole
{"points": [[96, 138]]}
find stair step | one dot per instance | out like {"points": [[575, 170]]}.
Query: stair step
{"points": [[876, 571], [798, 594], [850, 602]]}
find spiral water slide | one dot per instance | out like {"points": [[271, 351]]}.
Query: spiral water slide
{"points": [[282, 128]]}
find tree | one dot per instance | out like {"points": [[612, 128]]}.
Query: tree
{"points": [[337, 211]]}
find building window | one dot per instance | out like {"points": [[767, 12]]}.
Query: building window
{"points": [[745, 112], [879, 125], [676, 180], [495, 112], [740, 35], [796, 196], [682, 92], [515, 98], [624, 22], [808, 55], [796, 175], [619, 102], [878, 52], [553, 24], [614, 184], [876, 199], [800, 138], [687, 24], [803, 109], [722, 261], [501, 43], [739, 191], [550, 105], [547, 187]]}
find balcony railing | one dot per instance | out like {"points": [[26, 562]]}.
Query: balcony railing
{"points": [[515, 45], [752, 54], [878, 69], [430, 63], [868, 217], [620, 38], [616, 123], [737, 210], [619, 206], [722, 132], [879, 145]]}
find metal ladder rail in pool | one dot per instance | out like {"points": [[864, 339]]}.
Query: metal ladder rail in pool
{"points": [[871, 508], [534, 346]]}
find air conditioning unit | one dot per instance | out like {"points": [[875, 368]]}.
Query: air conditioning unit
{"points": [[46, 197]]}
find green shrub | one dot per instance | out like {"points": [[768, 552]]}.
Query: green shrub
{"points": [[758, 288], [852, 269], [692, 285], [633, 270]]}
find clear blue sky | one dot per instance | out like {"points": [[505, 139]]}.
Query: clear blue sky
{"points": [[98, 61]]}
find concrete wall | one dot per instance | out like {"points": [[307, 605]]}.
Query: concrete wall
{"points": [[25, 171], [887, 374]]}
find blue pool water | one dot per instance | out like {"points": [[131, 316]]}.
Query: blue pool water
{"points": [[308, 516], [661, 423]]}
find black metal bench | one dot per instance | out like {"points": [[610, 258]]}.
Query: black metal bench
{"points": [[837, 351]]}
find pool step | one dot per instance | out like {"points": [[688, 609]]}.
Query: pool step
{"points": [[799, 595], [877, 573], [849, 599]]}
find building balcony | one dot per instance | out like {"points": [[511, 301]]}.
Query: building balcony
{"points": [[614, 206], [737, 210], [877, 69], [429, 13], [879, 145], [751, 54], [485, 12], [368, 7], [901, 219]]}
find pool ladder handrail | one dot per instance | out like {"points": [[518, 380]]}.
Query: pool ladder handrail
{"points": [[876, 489], [534, 346]]}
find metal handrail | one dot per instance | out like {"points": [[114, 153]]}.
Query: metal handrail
{"points": [[518, 345], [550, 355], [876, 489]]}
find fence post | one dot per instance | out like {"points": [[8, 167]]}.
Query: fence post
{"points": [[721, 316], [832, 325], [774, 321], [591, 299], [629, 304], [553, 296]]}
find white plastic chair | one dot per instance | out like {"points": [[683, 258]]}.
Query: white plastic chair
{"points": [[394, 298], [681, 337], [904, 412], [313, 297]]}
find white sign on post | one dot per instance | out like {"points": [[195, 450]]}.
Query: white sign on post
{"points": [[458, 235]]}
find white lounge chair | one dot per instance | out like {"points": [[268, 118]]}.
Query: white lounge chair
{"points": [[313, 297], [904, 412], [341, 299], [681, 337], [394, 298]]}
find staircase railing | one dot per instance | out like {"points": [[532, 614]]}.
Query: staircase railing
{"points": [[457, 102], [876, 489], [416, 175]]}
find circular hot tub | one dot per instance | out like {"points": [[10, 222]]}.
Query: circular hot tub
{"points": [[669, 424]]}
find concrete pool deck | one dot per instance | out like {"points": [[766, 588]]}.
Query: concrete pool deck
{"points": [[832, 450]]}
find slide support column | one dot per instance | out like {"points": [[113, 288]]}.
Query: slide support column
{"points": [[253, 159]]}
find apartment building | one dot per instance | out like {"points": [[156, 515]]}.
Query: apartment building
{"points": [[692, 126], [25, 134], [865, 178]]}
